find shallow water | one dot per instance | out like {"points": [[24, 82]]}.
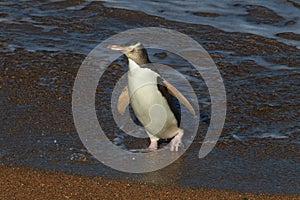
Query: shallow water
{"points": [[42, 47], [265, 18]]}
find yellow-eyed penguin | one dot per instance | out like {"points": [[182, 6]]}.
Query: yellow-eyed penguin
{"points": [[149, 96]]}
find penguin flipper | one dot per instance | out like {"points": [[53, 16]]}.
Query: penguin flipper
{"points": [[179, 96], [123, 101]]}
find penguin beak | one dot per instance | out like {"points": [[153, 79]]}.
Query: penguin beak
{"points": [[119, 48]]}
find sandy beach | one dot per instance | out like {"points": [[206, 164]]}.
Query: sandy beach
{"points": [[30, 183]]}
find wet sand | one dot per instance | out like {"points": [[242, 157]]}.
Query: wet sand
{"points": [[30, 183]]}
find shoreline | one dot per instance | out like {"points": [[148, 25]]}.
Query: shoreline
{"points": [[20, 182]]}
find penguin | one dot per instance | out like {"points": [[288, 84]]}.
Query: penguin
{"points": [[150, 97]]}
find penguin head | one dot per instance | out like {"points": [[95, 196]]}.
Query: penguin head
{"points": [[135, 52]]}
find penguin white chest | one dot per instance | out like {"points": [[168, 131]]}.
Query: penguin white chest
{"points": [[148, 103], [142, 83]]}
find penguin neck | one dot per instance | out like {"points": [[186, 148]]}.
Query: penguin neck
{"points": [[132, 65], [142, 60]]}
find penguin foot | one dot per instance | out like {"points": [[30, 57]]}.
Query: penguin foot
{"points": [[153, 146], [176, 142]]}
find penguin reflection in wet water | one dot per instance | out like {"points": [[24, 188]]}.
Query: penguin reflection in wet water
{"points": [[150, 97]]}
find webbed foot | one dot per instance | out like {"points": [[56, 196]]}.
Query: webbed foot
{"points": [[176, 142]]}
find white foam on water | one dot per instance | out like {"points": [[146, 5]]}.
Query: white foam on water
{"points": [[273, 135]]}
